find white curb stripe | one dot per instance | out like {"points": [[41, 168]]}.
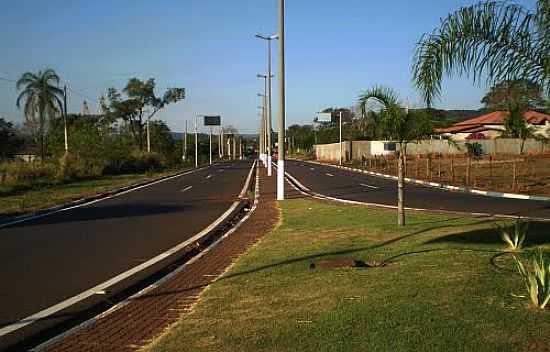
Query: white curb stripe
{"points": [[105, 285]]}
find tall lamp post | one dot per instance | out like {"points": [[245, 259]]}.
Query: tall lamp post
{"points": [[268, 39], [282, 111]]}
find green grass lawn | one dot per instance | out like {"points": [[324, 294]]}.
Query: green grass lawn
{"points": [[448, 288], [13, 202]]}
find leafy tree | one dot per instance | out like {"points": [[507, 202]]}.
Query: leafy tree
{"points": [[302, 137], [521, 93], [400, 125], [10, 140], [499, 39], [162, 141], [140, 105], [40, 95]]}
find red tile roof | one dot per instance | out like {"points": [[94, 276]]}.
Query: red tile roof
{"points": [[493, 118]]}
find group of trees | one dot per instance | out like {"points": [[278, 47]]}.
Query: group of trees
{"points": [[503, 42], [105, 140]]}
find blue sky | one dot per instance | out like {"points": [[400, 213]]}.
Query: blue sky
{"points": [[335, 49]]}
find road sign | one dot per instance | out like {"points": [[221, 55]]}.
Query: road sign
{"points": [[212, 120], [324, 117]]}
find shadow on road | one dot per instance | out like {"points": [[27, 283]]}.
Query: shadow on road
{"points": [[104, 212]]}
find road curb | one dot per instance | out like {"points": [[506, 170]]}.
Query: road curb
{"points": [[132, 276], [94, 198], [441, 185], [45, 345]]}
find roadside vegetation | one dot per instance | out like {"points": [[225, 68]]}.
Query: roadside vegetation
{"points": [[447, 283], [56, 156]]}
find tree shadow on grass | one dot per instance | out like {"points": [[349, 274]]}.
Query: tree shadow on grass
{"points": [[538, 234]]}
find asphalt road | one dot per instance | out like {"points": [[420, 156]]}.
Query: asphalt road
{"points": [[355, 186], [48, 260]]}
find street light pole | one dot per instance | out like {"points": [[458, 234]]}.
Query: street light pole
{"points": [[210, 145], [341, 149], [282, 112], [65, 119], [185, 143], [196, 145], [268, 102]]}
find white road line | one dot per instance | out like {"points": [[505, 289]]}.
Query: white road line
{"points": [[312, 168], [98, 289], [186, 189], [209, 176], [330, 175], [369, 186]]}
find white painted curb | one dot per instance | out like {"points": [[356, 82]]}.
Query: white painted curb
{"points": [[103, 287], [441, 185]]}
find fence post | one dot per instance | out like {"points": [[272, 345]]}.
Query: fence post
{"points": [[514, 176], [439, 166], [468, 166], [429, 167], [490, 166], [417, 165], [452, 168]]}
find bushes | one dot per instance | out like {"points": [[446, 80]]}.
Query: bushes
{"points": [[135, 162], [19, 172]]}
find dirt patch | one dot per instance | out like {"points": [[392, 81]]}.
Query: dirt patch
{"points": [[345, 263]]}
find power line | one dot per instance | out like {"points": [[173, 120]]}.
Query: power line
{"points": [[7, 79]]}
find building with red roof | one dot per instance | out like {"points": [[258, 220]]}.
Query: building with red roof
{"points": [[491, 125]]}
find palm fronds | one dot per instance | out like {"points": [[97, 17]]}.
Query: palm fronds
{"points": [[497, 39]]}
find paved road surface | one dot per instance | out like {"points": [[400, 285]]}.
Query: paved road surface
{"points": [[51, 259], [355, 186]]}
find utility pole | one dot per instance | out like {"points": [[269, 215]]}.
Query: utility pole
{"points": [[210, 154], [185, 143], [65, 119], [234, 148], [341, 147], [268, 99], [282, 111], [148, 138], [196, 145]]}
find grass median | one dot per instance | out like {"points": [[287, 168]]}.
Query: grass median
{"points": [[447, 286], [15, 202]]}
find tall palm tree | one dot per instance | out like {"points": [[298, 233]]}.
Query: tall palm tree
{"points": [[40, 94], [498, 39], [400, 125]]}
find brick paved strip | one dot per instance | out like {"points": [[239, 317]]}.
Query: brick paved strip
{"points": [[147, 316]]}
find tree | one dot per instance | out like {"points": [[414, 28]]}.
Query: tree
{"points": [[516, 126], [401, 126], [522, 93], [10, 140], [40, 94], [140, 105], [498, 39]]}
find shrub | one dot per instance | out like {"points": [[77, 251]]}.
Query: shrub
{"points": [[474, 150], [514, 234], [18, 172], [537, 278]]}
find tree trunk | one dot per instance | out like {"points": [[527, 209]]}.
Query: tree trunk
{"points": [[400, 186], [42, 133]]}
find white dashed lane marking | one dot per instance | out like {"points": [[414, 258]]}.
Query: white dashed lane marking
{"points": [[209, 176], [329, 175], [368, 186], [186, 189]]}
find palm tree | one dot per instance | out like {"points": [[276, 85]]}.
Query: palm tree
{"points": [[400, 125], [498, 39], [40, 94]]}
